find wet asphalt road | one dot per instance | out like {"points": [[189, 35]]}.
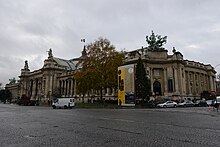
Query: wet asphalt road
{"points": [[34, 126]]}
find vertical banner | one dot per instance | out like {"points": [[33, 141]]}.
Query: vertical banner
{"points": [[126, 85]]}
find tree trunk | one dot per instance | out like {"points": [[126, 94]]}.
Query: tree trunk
{"points": [[83, 98], [101, 95]]}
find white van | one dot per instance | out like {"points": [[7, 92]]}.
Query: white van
{"points": [[63, 103]]}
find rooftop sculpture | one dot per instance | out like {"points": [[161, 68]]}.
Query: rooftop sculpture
{"points": [[50, 54], [26, 65], [156, 42]]}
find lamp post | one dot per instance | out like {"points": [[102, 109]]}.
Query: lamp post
{"points": [[39, 92], [217, 80], [218, 76]]}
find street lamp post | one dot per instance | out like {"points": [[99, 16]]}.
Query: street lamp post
{"points": [[217, 76], [217, 82]]}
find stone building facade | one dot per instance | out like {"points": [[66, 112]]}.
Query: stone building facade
{"points": [[54, 78], [172, 76], [14, 89], [217, 87]]}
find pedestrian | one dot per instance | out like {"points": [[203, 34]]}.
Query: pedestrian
{"points": [[119, 103], [217, 106], [213, 104]]}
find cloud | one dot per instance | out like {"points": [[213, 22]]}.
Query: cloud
{"points": [[30, 27]]}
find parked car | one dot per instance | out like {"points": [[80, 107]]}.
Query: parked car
{"points": [[167, 104], [201, 103], [186, 104]]}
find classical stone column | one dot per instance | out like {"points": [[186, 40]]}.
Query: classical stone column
{"points": [[165, 80], [51, 86], [71, 88], [43, 87], [202, 82], [176, 80], [66, 87], [199, 83], [151, 78], [47, 88], [211, 83], [75, 88], [34, 89], [193, 83], [207, 82], [189, 83], [63, 87], [184, 81], [214, 84], [181, 79], [40, 88]]}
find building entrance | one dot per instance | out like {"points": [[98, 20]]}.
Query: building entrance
{"points": [[157, 88]]}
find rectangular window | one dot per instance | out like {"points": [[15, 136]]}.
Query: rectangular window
{"points": [[156, 72], [170, 85]]}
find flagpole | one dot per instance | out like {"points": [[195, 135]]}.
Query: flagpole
{"points": [[84, 46]]}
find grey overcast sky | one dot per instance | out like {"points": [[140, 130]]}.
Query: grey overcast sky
{"points": [[30, 27]]}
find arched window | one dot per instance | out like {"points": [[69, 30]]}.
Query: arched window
{"points": [[157, 88]]}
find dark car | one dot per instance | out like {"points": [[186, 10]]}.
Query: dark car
{"points": [[201, 103], [186, 104]]}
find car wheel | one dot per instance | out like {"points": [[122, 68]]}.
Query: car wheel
{"points": [[65, 107], [54, 107], [164, 106], [174, 106]]}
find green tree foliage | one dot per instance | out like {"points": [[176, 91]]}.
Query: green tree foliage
{"points": [[83, 86], [100, 66], [207, 95], [5, 95], [142, 82]]}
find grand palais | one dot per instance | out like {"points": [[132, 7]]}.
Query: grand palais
{"points": [[171, 77]]}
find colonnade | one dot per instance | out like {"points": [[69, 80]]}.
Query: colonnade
{"points": [[183, 82], [67, 87]]}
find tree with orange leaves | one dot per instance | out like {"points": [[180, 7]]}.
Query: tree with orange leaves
{"points": [[99, 67]]}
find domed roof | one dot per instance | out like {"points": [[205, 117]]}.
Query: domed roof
{"points": [[65, 63]]}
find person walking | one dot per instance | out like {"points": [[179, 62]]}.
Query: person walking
{"points": [[213, 104], [217, 105]]}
